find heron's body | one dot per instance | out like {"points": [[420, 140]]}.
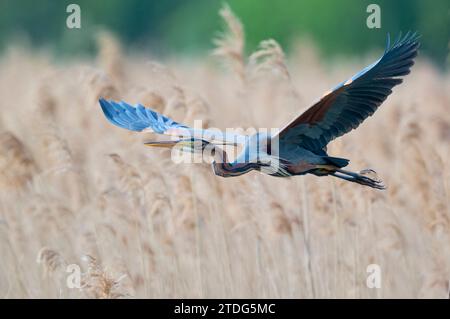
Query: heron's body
{"points": [[295, 160], [300, 147]]}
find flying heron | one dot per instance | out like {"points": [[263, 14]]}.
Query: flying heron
{"points": [[300, 145]]}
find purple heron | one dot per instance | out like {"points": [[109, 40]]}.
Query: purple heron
{"points": [[300, 147]]}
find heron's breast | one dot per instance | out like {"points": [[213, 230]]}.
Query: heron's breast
{"points": [[300, 167]]}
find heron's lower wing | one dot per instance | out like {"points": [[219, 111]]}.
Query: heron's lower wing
{"points": [[143, 119], [351, 102]]}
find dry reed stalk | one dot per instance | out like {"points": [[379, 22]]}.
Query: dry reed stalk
{"points": [[101, 86], [184, 217], [230, 46], [17, 165], [61, 168], [176, 105], [97, 282], [152, 99], [281, 223], [110, 56], [56, 149], [269, 58], [51, 261], [46, 103], [130, 181], [197, 109]]}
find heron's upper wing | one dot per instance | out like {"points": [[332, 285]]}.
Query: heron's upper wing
{"points": [[140, 118], [351, 102]]}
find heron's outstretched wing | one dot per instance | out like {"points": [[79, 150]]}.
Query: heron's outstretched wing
{"points": [[351, 102], [139, 118]]}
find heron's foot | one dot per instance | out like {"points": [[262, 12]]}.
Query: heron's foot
{"points": [[367, 177], [370, 173], [363, 180]]}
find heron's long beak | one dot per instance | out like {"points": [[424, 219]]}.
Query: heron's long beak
{"points": [[183, 143], [188, 145], [167, 144]]}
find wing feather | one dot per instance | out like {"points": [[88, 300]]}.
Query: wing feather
{"points": [[140, 118], [352, 101]]}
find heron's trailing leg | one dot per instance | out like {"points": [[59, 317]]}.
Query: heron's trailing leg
{"points": [[359, 178]]}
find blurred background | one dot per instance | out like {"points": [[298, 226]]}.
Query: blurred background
{"points": [[187, 27], [74, 189]]}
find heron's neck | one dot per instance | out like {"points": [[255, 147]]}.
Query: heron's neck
{"points": [[224, 168]]}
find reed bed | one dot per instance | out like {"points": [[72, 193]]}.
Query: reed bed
{"points": [[77, 190]]}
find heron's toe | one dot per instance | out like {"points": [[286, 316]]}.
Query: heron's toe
{"points": [[370, 173]]}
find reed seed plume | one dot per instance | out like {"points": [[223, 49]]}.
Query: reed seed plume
{"points": [[100, 283], [268, 58], [110, 56], [230, 45], [17, 166], [50, 260], [56, 149]]}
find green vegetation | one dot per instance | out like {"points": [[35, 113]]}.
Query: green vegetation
{"points": [[338, 27]]}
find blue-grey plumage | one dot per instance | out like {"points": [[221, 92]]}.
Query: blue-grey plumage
{"points": [[136, 118], [298, 148]]}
